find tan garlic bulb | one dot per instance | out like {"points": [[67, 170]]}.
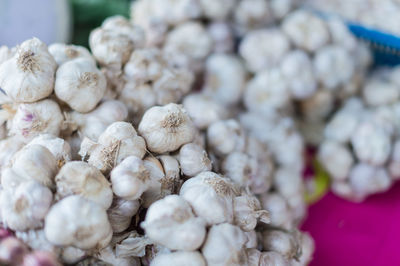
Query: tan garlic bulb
{"points": [[26, 206], [29, 75], [121, 212], [32, 119], [171, 223], [80, 178], [166, 128], [116, 143], [92, 232], [130, 178], [33, 162], [80, 84], [209, 189], [225, 245], [63, 53], [193, 159]]}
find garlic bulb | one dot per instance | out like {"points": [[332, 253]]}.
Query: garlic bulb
{"points": [[270, 258], [240, 167], [63, 53], [32, 119], [247, 212], [281, 242], [171, 167], [5, 53], [166, 128], [60, 148], [112, 44], [8, 147], [159, 184], [224, 78], [203, 110], [92, 232], [94, 123], [171, 223], [226, 136], [12, 251], [252, 14], [179, 258], [222, 36], [121, 212], [130, 178], [80, 178], [33, 162], [256, 55], [71, 255], [193, 159], [36, 240], [29, 75], [209, 189], [116, 143], [80, 84], [278, 209], [225, 245], [306, 30], [336, 158], [26, 207]]}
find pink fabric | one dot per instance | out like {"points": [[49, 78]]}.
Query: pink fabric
{"points": [[356, 234]]}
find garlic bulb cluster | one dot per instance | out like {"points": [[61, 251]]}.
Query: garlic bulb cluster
{"points": [[360, 147]]}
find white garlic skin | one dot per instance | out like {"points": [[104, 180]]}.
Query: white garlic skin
{"points": [[226, 136], [71, 255], [371, 144], [80, 178], [60, 148], [179, 258], [37, 118], [130, 178], [306, 30], [94, 123], [171, 166], [269, 258], [80, 84], [239, 167], [171, 223], [193, 159], [380, 92], [8, 147], [278, 209], [281, 242], [252, 14], [365, 179], [36, 240], [247, 212], [159, 184], [225, 78], [63, 53], [203, 109], [336, 158], [166, 128], [258, 57], [35, 162], [317, 107], [5, 53], [26, 206], [29, 75], [225, 245], [92, 232], [209, 189], [222, 36], [121, 212]]}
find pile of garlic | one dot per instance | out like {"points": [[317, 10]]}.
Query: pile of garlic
{"points": [[361, 145]]}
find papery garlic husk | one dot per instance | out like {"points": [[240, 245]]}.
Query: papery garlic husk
{"points": [[179, 258], [203, 109], [160, 185], [29, 75], [63, 53], [94, 231], [166, 128], [32, 119], [33, 162], [94, 123], [270, 258], [26, 207], [225, 78], [130, 178], [226, 136], [171, 223], [193, 159], [247, 212], [121, 212], [107, 256], [80, 178], [80, 84], [6, 53], [60, 148], [116, 143], [282, 242], [209, 189], [224, 245]]}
